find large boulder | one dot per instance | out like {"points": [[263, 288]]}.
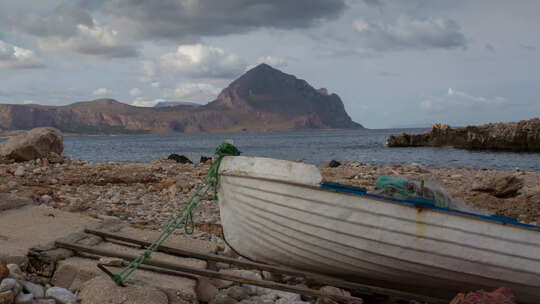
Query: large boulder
{"points": [[103, 290], [34, 144]]}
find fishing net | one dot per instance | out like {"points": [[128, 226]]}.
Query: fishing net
{"points": [[424, 191]]}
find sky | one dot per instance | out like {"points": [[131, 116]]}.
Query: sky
{"points": [[393, 63]]}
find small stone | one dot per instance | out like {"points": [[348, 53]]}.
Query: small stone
{"points": [[10, 284], [180, 159], [54, 158], [204, 159], [222, 298], [20, 171], [15, 272], [7, 297], [330, 290], [24, 298], [205, 290], [271, 276], [61, 295], [334, 164], [36, 290], [238, 292], [111, 261], [45, 199]]}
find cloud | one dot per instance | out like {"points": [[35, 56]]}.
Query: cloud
{"points": [[186, 20], [14, 57], [62, 22], [193, 92], [135, 92], [94, 41], [150, 71], [490, 48], [72, 28], [202, 61], [276, 62], [102, 91], [409, 33], [145, 102], [457, 100]]}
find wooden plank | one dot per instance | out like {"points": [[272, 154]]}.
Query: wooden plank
{"points": [[210, 273], [369, 289]]}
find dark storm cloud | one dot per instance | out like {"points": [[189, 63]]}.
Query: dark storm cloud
{"points": [[63, 22], [190, 19]]}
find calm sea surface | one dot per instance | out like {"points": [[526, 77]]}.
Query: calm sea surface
{"points": [[311, 146]]}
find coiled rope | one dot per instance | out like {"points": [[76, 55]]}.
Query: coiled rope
{"points": [[184, 219]]}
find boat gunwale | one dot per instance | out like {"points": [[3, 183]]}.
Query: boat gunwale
{"points": [[416, 205]]}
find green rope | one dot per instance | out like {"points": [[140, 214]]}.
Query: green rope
{"points": [[183, 219]]}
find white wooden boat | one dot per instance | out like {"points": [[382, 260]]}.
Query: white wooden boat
{"points": [[274, 211]]}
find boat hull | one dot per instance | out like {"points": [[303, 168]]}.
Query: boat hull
{"points": [[369, 240]]}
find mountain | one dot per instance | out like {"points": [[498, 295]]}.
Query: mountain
{"points": [[263, 99], [163, 104]]}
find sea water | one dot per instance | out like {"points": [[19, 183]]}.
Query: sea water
{"points": [[311, 146]]}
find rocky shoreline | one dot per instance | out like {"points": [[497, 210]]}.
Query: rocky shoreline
{"points": [[63, 192], [522, 136], [148, 194]]}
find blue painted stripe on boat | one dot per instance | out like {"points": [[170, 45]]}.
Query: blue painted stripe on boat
{"points": [[343, 188], [422, 203]]}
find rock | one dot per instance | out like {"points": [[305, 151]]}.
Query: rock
{"points": [[498, 296], [13, 201], [24, 298], [15, 272], [180, 159], [284, 297], [111, 261], [35, 289], [45, 199], [103, 290], [10, 284], [246, 274], [20, 172], [54, 158], [330, 290], [501, 187], [269, 276], [264, 299], [515, 136], [44, 301], [334, 164], [61, 295], [205, 159], [222, 298], [205, 290], [7, 297], [34, 144], [238, 292], [4, 271]]}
